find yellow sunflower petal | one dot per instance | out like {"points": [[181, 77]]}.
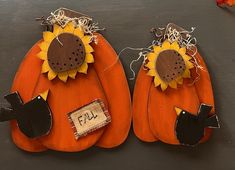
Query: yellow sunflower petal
{"points": [[42, 55], [63, 76], [180, 80], [150, 65], [175, 46], [152, 72], [157, 81], [164, 86], [45, 67], [173, 84], [166, 44], [88, 49], [48, 36], [78, 33], [186, 57], [44, 46], [57, 30], [186, 74], [83, 68], [69, 28], [182, 50], [86, 39], [151, 56], [51, 75], [89, 58], [157, 49], [189, 65], [72, 73]]}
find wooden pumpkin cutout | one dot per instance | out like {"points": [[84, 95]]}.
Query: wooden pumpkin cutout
{"points": [[70, 91], [154, 116]]}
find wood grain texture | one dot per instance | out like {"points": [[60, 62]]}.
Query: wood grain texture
{"points": [[128, 23], [170, 65], [30, 67], [114, 83], [65, 53]]}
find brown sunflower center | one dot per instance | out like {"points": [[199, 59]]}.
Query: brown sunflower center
{"points": [[170, 65], [66, 52]]}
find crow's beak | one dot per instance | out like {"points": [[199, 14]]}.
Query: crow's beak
{"points": [[178, 110], [44, 95]]}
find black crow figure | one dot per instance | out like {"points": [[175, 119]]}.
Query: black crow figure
{"points": [[190, 128]]}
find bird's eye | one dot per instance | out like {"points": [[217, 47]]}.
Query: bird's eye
{"points": [[183, 112]]}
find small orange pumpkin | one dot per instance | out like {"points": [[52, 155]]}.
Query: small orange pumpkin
{"points": [[154, 108]]}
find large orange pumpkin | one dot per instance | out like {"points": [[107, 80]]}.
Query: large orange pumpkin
{"points": [[110, 86]]}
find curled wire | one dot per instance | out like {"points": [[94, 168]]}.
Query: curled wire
{"points": [[184, 39], [142, 54], [119, 54]]}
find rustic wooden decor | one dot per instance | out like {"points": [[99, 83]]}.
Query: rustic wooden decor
{"points": [[70, 61], [190, 127], [66, 52], [74, 94], [170, 65], [34, 118], [72, 14], [173, 97]]}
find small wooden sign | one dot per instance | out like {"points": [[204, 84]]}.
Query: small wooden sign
{"points": [[89, 118]]}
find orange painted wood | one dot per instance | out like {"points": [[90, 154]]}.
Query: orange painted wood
{"points": [[204, 89], [25, 81], [140, 107], [64, 98], [161, 109], [114, 83]]}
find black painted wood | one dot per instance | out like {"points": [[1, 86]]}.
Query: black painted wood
{"points": [[128, 23]]}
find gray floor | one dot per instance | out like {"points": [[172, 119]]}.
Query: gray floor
{"points": [[128, 24]]}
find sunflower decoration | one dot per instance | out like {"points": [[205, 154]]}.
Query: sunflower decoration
{"points": [[169, 64], [65, 52]]}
